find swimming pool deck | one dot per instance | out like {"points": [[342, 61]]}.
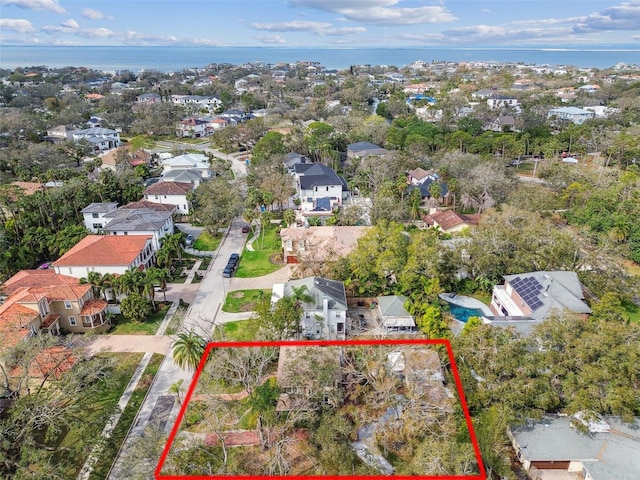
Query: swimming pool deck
{"points": [[467, 302]]}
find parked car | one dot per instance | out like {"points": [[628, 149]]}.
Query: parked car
{"points": [[245, 229], [515, 163], [189, 240], [228, 271]]}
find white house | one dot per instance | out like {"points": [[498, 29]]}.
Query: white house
{"points": [[142, 221], [320, 189], [94, 215], [148, 98], [100, 138], [191, 127], [498, 101], [325, 315], [200, 101], [173, 193], [61, 133], [188, 161], [106, 254], [573, 114]]}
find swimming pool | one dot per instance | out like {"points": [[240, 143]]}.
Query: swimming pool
{"points": [[463, 313]]}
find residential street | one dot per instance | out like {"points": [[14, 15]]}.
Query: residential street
{"points": [[206, 301]]}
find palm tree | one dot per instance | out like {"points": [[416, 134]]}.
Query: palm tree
{"points": [[131, 281], [160, 276], [174, 243], [176, 389], [164, 258], [188, 349]]}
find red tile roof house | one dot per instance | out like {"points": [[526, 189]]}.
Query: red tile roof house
{"points": [[40, 300], [173, 193], [450, 221], [106, 254]]}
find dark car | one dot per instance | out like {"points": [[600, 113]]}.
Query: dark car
{"points": [[228, 271], [189, 240], [245, 229]]}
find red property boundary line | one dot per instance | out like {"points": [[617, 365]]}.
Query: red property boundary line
{"points": [[323, 343]]}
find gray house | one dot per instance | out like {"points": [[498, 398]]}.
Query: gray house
{"points": [[393, 316], [143, 221], [606, 450]]}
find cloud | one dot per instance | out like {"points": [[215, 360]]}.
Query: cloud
{"points": [[71, 23], [92, 14], [51, 5], [379, 12], [274, 39], [318, 28], [129, 37], [489, 34], [17, 25], [625, 16]]}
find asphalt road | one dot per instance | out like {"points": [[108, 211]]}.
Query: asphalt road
{"points": [[158, 406]]}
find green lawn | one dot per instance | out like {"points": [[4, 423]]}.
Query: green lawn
{"points": [[241, 331], [112, 445], [124, 326], [257, 263], [206, 242], [105, 401], [243, 300]]}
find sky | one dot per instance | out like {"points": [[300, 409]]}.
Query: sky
{"points": [[319, 23]]}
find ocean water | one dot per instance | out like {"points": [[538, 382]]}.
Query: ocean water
{"points": [[168, 59]]}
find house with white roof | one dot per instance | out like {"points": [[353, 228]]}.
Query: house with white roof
{"points": [[188, 161], [324, 313], [194, 177], [573, 114]]}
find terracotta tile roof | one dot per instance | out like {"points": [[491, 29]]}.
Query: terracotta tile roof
{"points": [[14, 323], [36, 278], [51, 362], [28, 188], [449, 219], [93, 307], [103, 250], [169, 188], [50, 320], [158, 207], [419, 173], [60, 292]]}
